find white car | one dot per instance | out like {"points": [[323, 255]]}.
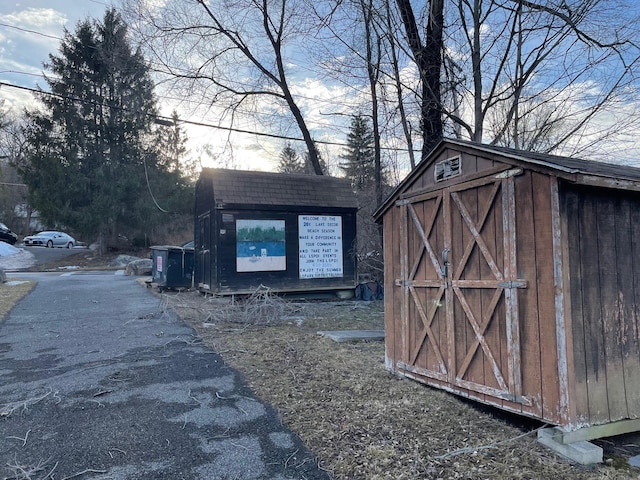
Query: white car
{"points": [[50, 239]]}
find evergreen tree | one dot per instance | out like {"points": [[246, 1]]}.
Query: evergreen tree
{"points": [[359, 157], [290, 161], [308, 166], [90, 148]]}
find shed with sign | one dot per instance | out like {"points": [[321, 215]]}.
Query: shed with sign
{"points": [[513, 278], [289, 233]]}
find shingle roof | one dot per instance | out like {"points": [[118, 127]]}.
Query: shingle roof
{"points": [[242, 187]]}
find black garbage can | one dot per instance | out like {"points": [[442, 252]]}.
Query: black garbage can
{"points": [[172, 266]]}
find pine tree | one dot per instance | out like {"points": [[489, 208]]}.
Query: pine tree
{"points": [[90, 147], [308, 167], [359, 157], [290, 161]]}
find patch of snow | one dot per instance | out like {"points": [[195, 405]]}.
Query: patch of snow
{"points": [[14, 283], [12, 258], [7, 250]]}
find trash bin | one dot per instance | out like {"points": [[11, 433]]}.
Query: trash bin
{"points": [[172, 266]]}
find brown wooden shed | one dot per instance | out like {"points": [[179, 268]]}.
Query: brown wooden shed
{"points": [[513, 278]]}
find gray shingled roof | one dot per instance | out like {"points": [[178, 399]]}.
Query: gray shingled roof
{"points": [[242, 187]]}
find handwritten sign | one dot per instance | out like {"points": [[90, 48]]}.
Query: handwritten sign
{"points": [[320, 246]]}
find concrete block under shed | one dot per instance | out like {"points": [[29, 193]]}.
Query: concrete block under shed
{"points": [[582, 452], [341, 336]]}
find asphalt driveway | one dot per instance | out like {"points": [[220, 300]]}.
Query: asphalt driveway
{"points": [[97, 381]]}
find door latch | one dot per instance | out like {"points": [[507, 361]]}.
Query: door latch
{"points": [[444, 269]]}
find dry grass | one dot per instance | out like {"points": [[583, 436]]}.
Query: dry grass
{"points": [[11, 294], [361, 421]]}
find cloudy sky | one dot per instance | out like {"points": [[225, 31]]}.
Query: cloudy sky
{"points": [[31, 29]]}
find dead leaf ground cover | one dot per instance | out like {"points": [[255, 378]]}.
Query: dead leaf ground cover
{"points": [[361, 421], [11, 293]]}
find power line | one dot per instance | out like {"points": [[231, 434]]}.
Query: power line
{"points": [[26, 30], [164, 119], [161, 118], [189, 122], [317, 100]]}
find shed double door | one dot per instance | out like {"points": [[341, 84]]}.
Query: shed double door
{"points": [[460, 288]]}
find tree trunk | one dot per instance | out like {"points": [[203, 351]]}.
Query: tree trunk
{"points": [[428, 58]]}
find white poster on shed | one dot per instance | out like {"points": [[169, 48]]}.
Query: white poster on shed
{"points": [[320, 246]]}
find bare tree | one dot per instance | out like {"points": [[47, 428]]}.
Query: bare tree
{"points": [[231, 52], [427, 54], [13, 191], [545, 70], [388, 20]]}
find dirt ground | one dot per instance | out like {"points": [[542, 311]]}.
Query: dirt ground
{"points": [[361, 421]]}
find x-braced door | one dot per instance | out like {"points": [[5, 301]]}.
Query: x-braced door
{"points": [[460, 287]]}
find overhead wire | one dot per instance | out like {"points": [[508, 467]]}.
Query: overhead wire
{"points": [[182, 121], [163, 118]]}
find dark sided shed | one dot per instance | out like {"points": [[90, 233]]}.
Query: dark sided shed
{"points": [[513, 278], [290, 233]]}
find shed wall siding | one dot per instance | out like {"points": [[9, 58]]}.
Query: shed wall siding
{"points": [[536, 261], [605, 292], [471, 165], [392, 304]]}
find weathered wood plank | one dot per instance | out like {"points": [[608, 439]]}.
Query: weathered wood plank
{"points": [[562, 314], [600, 431], [449, 304], [610, 305], [393, 294], [530, 353], [404, 308], [472, 369], [593, 332], [491, 307], [626, 263], [572, 205], [510, 270], [634, 322], [545, 268]]}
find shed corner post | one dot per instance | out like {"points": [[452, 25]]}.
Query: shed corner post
{"points": [[562, 303]]}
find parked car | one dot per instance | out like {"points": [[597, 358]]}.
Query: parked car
{"points": [[50, 239], [7, 235]]}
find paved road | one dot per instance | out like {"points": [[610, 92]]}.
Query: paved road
{"points": [[96, 381]]}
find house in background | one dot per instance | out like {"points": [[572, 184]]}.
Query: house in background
{"points": [[290, 233]]}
